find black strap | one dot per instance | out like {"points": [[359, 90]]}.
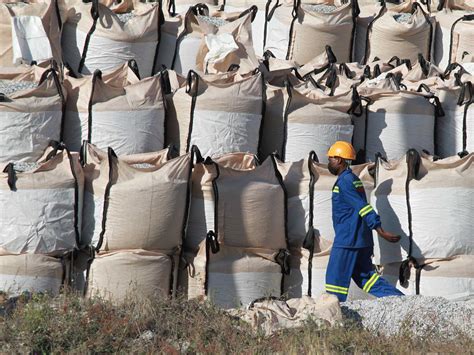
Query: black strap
{"points": [[111, 157], [369, 102], [356, 108], [54, 75], [369, 30], [10, 170], [285, 118], [413, 161], [97, 76], [355, 14], [424, 64], [294, 13], [466, 99], [251, 10], [192, 88], [330, 54], [309, 240], [283, 259], [95, 17], [161, 21]]}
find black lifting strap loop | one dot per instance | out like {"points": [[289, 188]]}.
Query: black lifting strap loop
{"points": [[438, 107], [283, 259], [196, 156], [424, 64], [308, 242], [132, 64], [212, 242], [405, 270], [356, 106], [10, 170], [465, 96], [330, 54], [422, 87], [192, 83], [57, 146]]}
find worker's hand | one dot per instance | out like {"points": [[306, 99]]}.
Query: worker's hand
{"points": [[389, 237]]}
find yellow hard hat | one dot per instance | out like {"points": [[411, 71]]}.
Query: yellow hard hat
{"points": [[342, 149]]}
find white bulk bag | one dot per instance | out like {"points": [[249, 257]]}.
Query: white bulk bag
{"points": [[29, 32], [299, 32], [135, 202], [439, 196], [220, 113], [201, 214], [130, 119], [454, 32], [41, 205], [452, 278], [386, 37], [30, 273], [133, 274], [250, 207], [232, 277], [30, 118], [314, 121], [396, 119], [94, 37]]}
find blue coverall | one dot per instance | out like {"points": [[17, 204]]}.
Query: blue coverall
{"points": [[353, 220]]}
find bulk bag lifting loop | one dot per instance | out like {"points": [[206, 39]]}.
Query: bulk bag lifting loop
{"points": [[192, 88], [466, 99]]}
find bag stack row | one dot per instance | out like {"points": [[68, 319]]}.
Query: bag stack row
{"points": [[161, 148]]}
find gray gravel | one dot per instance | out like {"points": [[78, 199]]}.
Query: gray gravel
{"points": [[321, 8], [416, 316], [403, 18], [216, 21], [25, 166], [126, 17], [9, 87], [143, 166]]}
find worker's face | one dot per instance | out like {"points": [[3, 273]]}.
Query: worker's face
{"points": [[335, 165]]}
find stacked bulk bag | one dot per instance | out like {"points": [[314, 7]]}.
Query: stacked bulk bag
{"points": [[140, 274], [366, 16], [455, 131], [116, 110], [451, 278], [219, 113], [31, 273], [31, 117], [135, 212], [29, 32], [313, 121], [404, 31], [454, 31], [208, 42], [309, 186], [41, 206], [94, 37], [201, 214], [244, 254], [300, 31], [406, 191], [396, 119]]}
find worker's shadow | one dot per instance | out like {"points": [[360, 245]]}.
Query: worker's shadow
{"points": [[390, 252]]}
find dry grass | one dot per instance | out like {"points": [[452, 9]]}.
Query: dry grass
{"points": [[71, 324]]}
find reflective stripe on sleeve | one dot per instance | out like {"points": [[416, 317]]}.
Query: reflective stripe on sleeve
{"points": [[358, 183], [363, 211], [335, 189]]}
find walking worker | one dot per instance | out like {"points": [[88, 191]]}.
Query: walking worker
{"points": [[353, 220]]}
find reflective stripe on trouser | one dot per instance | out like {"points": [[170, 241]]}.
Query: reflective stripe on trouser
{"points": [[345, 264]]}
